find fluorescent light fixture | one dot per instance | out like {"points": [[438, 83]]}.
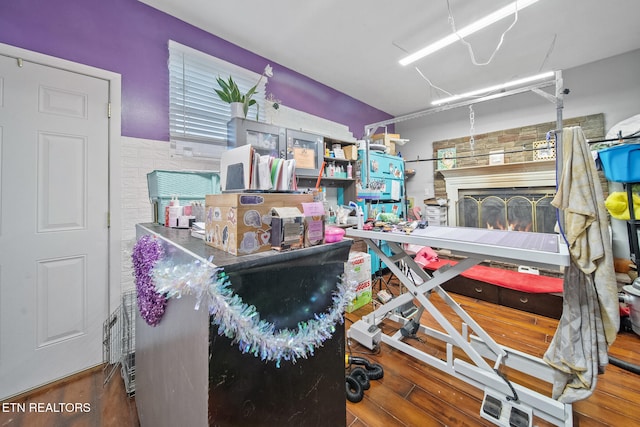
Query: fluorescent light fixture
{"points": [[478, 25], [512, 83]]}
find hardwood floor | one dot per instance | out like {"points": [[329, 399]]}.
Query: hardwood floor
{"points": [[410, 394], [78, 401], [414, 394]]}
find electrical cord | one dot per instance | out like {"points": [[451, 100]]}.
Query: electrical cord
{"points": [[451, 21], [623, 364], [513, 390], [431, 84], [468, 45], [375, 352]]}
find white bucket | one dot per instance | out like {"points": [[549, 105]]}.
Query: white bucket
{"points": [[632, 298]]}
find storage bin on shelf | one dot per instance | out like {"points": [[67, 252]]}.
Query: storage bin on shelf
{"points": [[436, 215], [620, 163], [186, 186]]}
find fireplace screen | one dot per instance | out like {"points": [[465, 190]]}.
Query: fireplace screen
{"points": [[509, 209]]}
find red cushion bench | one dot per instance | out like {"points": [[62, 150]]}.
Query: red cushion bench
{"points": [[536, 294], [524, 282]]}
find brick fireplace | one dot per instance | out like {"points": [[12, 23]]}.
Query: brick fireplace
{"points": [[472, 180], [514, 196]]}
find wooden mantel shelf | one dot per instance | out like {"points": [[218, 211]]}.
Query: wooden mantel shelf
{"points": [[506, 168]]}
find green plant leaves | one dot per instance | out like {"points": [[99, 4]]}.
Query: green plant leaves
{"points": [[230, 92]]}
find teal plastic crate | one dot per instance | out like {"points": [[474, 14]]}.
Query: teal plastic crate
{"points": [[621, 163], [194, 184], [186, 186]]}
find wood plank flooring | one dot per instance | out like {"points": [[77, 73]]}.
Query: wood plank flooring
{"points": [[55, 405], [410, 394], [415, 394]]}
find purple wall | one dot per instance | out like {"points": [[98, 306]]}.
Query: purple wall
{"points": [[131, 38]]}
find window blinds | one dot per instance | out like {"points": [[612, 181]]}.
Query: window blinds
{"points": [[196, 113]]}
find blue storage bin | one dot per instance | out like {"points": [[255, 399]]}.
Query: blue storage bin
{"points": [[621, 163]]}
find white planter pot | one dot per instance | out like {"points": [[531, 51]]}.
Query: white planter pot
{"points": [[237, 110]]}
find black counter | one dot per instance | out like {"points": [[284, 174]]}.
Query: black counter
{"points": [[188, 374]]}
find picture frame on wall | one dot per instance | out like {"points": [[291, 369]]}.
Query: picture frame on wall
{"points": [[447, 158], [496, 157], [544, 150]]}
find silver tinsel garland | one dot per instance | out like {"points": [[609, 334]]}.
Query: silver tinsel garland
{"points": [[241, 322]]}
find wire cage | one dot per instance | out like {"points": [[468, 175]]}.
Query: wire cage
{"points": [[119, 342]]}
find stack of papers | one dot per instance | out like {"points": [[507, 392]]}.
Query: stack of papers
{"points": [[272, 173], [242, 168], [197, 230]]}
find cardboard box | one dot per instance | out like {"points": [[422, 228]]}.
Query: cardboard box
{"points": [[358, 266], [350, 152], [358, 269], [363, 296], [313, 223], [387, 140], [240, 223], [287, 228]]}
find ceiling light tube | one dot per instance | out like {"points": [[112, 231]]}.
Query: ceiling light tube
{"points": [[478, 25], [512, 83]]}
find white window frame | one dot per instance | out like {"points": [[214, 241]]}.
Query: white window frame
{"points": [[197, 116]]}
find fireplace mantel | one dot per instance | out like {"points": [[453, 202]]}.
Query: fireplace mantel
{"points": [[545, 165], [508, 175]]}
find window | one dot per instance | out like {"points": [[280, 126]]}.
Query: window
{"points": [[197, 117]]}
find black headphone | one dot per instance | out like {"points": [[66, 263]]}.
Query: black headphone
{"points": [[358, 379]]}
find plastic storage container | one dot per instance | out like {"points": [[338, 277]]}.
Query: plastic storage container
{"points": [[333, 234], [621, 163], [186, 186]]}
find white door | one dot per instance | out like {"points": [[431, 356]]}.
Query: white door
{"points": [[53, 223]]}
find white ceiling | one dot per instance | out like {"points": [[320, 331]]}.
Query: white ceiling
{"points": [[354, 46]]}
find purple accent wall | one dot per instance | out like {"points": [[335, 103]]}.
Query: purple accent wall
{"points": [[131, 38]]}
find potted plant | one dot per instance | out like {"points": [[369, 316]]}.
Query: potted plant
{"points": [[229, 92]]}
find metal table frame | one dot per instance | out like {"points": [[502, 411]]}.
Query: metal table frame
{"points": [[472, 339]]}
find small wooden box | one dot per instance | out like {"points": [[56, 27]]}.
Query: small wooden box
{"points": [[350, 152], [240, 223]]}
